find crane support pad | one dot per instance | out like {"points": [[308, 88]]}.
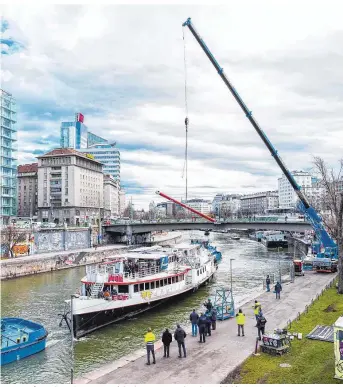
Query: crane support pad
{"points": [[322, 333]]}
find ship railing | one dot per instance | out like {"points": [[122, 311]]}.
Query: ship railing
{"points": [[142, 272]]}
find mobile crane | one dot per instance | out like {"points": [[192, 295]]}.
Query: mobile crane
{"points": [[325, 261]]}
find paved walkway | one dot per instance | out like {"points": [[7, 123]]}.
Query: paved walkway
{"points": [[211, 362]]}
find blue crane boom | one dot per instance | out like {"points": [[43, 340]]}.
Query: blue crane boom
{"points": [[311, 214]]}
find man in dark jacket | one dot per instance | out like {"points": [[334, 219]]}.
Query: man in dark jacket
{"points": [[167, 338], [202, 324], [208, 304], [208, 316], [268, 283], [214, 318], [278, 289], [179, 336], [194, 317], [261, 324]]}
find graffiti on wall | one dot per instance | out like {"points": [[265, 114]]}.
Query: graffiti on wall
{"points": [[49, 241], [77, 239]]}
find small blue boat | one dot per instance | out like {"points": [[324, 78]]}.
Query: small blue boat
{"points": [[20, 338]]}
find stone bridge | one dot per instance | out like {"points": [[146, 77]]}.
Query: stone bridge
{"points": [[135, 232]]}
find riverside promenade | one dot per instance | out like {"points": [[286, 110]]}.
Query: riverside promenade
{"points": [[211, 362]]}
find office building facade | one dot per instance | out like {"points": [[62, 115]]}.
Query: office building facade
{"points": [[8, 157], [70, 188], [28, 190], [108, 155], [259, 203], [74, 134]]}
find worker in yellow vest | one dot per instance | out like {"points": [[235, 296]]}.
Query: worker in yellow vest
{"points": [[240, 318], [149, 339], [257, 308]]}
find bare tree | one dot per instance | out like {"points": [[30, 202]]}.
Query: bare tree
{"points": [[333, 210], [11, 237], [127, 211]]}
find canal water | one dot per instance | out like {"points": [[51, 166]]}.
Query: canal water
{"points": [[41, 298]]}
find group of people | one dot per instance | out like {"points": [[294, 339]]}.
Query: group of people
{"points": [[207, 322], [277, 287], [179, 336]]}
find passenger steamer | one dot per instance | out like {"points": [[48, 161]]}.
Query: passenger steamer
{"points": [[139, 280]]}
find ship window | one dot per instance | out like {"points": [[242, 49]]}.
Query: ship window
{"points": [[135, 288], [152, 285], [177, 279], [147, 286], [165, 281], [123, 288], [173, 280], [157, 284], [169, 281], [197, 272], [161, 283], [141, 287]]}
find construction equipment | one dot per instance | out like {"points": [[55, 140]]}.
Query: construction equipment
{"points": [[326, 260], [187, 207]]}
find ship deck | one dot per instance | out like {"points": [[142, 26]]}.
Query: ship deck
{"points": [[14, 330]]}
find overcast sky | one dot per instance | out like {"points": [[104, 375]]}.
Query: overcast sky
{"points": [[123, 68]]}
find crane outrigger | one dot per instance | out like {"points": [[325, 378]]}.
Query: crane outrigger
{"points": [[325, 261]]}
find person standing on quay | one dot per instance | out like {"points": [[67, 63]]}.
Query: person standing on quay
{"points": [[179, 336], [278, 289], [208, 316], [268, 283], [257, 308], [214, 319], [166, 340], [194, 317], [261, 324], [202, 324], [240, 319], [149, 339]]}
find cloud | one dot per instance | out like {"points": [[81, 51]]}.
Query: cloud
{"points": [[123, 67]]}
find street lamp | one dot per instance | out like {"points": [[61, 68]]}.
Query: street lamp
{"points": [[278, 251]]}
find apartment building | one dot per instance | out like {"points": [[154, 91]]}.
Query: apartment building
{"points": [[70, 188]]}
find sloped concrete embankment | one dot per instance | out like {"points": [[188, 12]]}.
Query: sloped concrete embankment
{"points": [[223, 352]]}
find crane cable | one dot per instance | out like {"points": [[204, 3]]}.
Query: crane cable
{"points": [[185, 166]]}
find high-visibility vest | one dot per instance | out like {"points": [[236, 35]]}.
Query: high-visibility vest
{"points": [[257, 308], [149, 338], [240, 318]]}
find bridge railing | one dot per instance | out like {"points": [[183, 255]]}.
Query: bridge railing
{"points": [[222, 220]]}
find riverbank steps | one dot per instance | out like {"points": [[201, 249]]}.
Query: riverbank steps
{"points": [[223, 352], [311, 361]]}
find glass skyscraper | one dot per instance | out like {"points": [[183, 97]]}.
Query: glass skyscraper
{"points": [[108, 155], [74, 134], [8, 157]]}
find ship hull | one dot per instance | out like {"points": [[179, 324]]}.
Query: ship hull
{"points": [[274, 244], [87, 323]]}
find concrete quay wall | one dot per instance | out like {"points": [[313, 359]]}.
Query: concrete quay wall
{"points": [[40, 263], [223, 352]]}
